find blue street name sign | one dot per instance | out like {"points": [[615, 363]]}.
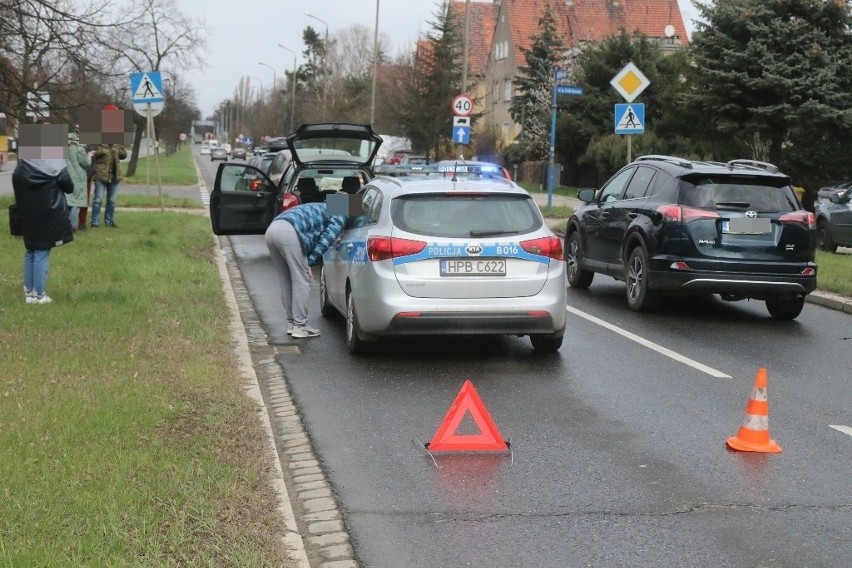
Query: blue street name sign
{"points": [[574, 90], [461, 134]]}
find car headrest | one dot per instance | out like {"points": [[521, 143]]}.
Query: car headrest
{"points": [[307, 185], [351, 184]]}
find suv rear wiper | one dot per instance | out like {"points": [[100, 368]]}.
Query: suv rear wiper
{"points": [[735, 204], [492, 233]]}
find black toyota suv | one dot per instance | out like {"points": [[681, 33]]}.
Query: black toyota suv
{"points": [[666, 225]]}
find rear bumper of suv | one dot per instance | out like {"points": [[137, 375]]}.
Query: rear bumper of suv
{"points": [[756, 283]]}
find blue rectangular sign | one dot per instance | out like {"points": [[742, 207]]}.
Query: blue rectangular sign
{"points": [[461, 134], [574, 90]]}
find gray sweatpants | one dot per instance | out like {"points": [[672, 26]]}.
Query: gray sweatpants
{"points": [[291, 266]]}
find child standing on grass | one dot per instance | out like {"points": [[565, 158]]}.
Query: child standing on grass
{"points": [[40, 182]]}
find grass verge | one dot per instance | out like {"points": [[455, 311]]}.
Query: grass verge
{"points": [[176, 169], [126, 436], [834, 272], [153, 202]]}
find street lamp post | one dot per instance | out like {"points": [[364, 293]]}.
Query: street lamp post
{"points": [[293, 94], [274, 76], [324, 62], [272, 90], [375, 66]]}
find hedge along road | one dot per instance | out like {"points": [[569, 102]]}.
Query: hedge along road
{"points": [[618, 450]]}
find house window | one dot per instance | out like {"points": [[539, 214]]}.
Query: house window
{"points": [[495, 93], [507, 91], [505, 129]]}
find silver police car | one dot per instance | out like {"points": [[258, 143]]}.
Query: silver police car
{"points": [[446, 255]]}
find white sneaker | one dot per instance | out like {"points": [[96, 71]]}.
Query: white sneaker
{"points": [[43, 299], [290, 328], [305, 331], [29, 296]]}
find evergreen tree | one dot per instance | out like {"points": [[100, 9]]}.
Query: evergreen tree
{"points": [[586, 143], [434, 79], [534, 84], [776, 77]]}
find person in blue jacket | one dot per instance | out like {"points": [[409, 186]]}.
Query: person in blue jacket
{"points": [[297, 239]]}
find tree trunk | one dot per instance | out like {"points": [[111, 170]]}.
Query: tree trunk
{"points": [[140, 123]]}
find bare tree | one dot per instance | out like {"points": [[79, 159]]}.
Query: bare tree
{"points": [[158, 35], [43, 46]]}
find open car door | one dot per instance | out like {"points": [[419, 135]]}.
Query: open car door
{"points": [[242, 201]]}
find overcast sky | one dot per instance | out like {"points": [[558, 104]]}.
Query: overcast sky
{"points": [[245, 32]]}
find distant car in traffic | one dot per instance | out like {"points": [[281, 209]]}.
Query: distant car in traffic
{"points": [[205, 148], [834, 221], [413, 159], [218, 153], [435, 256], [238, 154], [667, 225]]}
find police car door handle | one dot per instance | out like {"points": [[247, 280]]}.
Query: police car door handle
{"points": [[632, 215]]}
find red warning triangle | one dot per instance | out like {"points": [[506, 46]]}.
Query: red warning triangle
{"points": [[446, 440]]}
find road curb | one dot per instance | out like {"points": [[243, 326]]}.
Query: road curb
{"points": [[830, 300]]}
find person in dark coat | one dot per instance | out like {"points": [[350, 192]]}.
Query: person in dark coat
{"points": [[40, 186]]}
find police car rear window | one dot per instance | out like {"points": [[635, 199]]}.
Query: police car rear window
{"points": [[738, 193], [478, 216]]}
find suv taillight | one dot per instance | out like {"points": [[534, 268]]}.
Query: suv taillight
{"points": [[680, 214], [805, 218], [384, 248], [545, 246]]}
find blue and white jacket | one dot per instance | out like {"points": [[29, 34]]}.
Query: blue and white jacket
{"points": [[315, 227]]}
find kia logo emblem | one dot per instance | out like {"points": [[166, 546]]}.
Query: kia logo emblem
{"points": [[751, 214], [474, 249]]}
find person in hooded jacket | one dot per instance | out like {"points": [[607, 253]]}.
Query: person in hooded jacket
{"points": [[297, 239], [78, 162], [40, 186]]}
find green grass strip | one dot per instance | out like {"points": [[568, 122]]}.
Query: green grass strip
{"points": [[175, 169], [127, 438]]}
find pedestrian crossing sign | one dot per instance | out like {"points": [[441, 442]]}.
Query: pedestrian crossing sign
{"points": [[146, 87], [630, 118]]}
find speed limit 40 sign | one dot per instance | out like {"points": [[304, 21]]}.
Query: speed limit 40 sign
{"points": [[462, 105]]}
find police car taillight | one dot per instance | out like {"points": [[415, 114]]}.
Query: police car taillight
{"points": [[545, 246], [384, 248]]}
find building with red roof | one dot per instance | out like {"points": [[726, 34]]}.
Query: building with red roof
{"points": [[578, 22]]}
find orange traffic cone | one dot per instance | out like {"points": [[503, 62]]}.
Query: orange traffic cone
{"points": [[754, 431]]}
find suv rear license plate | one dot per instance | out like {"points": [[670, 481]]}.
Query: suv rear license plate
{"points": [[744, 226], [473, 267]]}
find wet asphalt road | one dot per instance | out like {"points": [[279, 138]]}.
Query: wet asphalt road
{"points": [[618, 453]]}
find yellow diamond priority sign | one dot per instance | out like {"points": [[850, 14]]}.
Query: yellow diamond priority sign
{"points": [[630, 82]]}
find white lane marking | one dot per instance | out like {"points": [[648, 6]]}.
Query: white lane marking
{"points": [[844, 429], [650, 344]]}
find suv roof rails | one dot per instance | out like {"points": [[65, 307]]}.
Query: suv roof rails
{"points": [[753, 164], [670, 159]]}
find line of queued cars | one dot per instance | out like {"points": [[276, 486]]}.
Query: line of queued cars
{"points": [[431, 253]]}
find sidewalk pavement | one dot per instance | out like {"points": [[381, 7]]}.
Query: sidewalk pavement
{"points": [[819, 297]]}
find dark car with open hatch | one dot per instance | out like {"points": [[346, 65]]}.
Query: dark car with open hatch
{"points": [[666, 225]]}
